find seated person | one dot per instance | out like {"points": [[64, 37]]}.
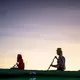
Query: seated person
{"points": [[20, 63], [60, 61]]}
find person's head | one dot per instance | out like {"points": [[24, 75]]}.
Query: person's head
{"points": [[19, 57], [59, 51]]}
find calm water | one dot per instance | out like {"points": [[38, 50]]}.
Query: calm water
{"points": [[42, 78]]}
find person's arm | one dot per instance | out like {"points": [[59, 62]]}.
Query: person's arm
{"points": [[54, 65], [56, 57]]}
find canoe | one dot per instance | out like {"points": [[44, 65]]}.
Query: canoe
{"points": [[38, 73]]}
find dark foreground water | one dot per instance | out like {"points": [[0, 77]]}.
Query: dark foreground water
{"points": [[42, 78]]}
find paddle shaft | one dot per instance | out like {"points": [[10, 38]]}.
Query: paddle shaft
{"points": [[15, 65], [51, 63]]}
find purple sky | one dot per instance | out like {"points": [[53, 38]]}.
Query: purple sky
{"points": [[25, 17], [25, 23], [40, 19]]}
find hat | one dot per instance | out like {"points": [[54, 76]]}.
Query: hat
{"points": [[59, 49]]}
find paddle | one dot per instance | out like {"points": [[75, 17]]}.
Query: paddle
{"points": [[14, 67], [51, 63]]}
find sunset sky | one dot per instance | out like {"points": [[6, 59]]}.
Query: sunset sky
{"points": [[35, 28]]}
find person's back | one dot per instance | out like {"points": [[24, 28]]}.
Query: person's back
{"points": [[61, 63]]}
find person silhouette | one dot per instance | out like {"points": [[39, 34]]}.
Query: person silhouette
{"points": [[60, 60], [20, 63]]}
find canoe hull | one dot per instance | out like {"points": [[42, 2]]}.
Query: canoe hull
{"points": [[37, 73]]}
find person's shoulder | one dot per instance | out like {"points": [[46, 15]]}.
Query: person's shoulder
{"points": [[63, 57]]}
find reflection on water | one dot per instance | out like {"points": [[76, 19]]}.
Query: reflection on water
{"points": [[53, 78], [42, 78], [32, 79]]}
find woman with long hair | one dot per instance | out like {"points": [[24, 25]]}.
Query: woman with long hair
{"points": [[20, 63]]}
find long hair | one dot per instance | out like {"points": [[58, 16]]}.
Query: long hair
{"points": [[19, 57]]}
